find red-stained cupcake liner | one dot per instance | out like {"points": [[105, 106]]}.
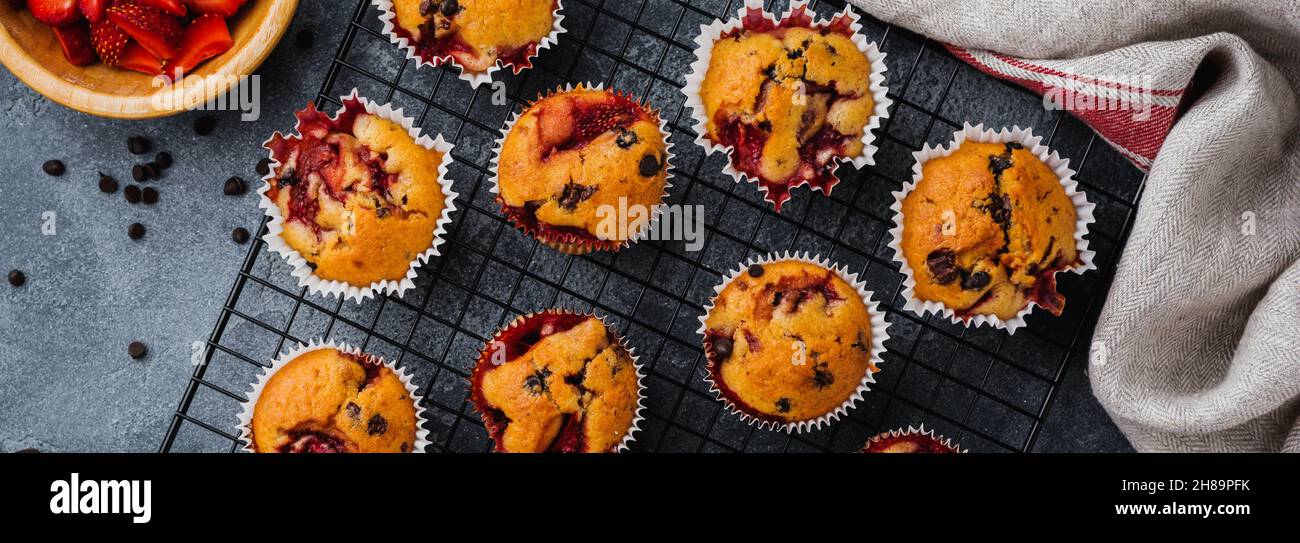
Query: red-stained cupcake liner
{"points": [[926, 438], [799, 10], [567, 242], [244, 428], [484, 361], [879, 335], [402, 40]]}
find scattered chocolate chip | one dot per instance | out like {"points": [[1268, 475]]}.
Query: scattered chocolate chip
{"points": [[205, 125], [721, 348], [1000, 163], [28, 450], [649, 165], [132, 194], [975, 281], [264, 166], [756, 270], [107, 184], [353, 410], [450, 7], [305, 39], [163, 160], [53, 168], [783, 405], [575, 194], [943, 266], [17, 278], [234, 187], [139, 174], [376, 425], [135, 231], [137, 350], [149, 195], [240, 235], [153, 170], [138, 145], [626, 138]]}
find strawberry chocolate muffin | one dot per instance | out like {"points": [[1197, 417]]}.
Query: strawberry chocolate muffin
{"points": [[329, 400], [789, 99], [789, 342], [910, 440], [360, 199], [985, 230], [475, 34], [557, 382], [574, 160]]}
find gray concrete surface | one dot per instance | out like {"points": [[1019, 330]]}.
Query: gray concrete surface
{"points": [[66, 381]]}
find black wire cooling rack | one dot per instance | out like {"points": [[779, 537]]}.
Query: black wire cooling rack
{"points": [[982, 387]]}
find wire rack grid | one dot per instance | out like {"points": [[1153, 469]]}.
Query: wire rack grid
{"points": [[982, 387]]}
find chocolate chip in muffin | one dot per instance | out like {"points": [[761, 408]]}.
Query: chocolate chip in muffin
{"points": [[450, 7], [943, 266], [649, 165], [822, 377], [721, 348], [975, 281], [376, 425], [756, 270], [783, 405], [626, 138], [53, 168], [575, 194], [353, 410], [535, 384]]}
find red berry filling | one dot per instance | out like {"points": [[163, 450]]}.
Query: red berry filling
{"points": [[311, 441], [437, 50], [915, 443]]}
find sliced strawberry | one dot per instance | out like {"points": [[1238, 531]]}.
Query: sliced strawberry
{"points": [[137, 58], [109, 41], [224, 8], [156, 31], [206, 37], [55, 12], [93, 9], [174, 7], [75, 41]]}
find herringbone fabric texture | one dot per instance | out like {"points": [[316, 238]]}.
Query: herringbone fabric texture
{"points": [[1198, 348]]}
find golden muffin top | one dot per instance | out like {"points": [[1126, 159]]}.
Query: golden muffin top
{"points": [[476, 33], [788, 341], [909, 441], [574, 159], [556, 382], [789, 99], [985, 229], [359, 197], [327, 400]]}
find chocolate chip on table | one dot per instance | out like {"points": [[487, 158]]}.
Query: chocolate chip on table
{"points": [[53, 168], [975, 281], [153, 171], [204, 125], [721, 348], [264, 166], [943, 266], [17, 278], [305, 39], [149, 195], [163, 160], [756, 270], [107, 184], [234, 187], [137, 350], [135, 231], [139, 174], [240, 235], [649, 165], [132, 194], [138, 145]]}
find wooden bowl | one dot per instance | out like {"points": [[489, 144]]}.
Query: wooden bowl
{"points": [[30, 51]]}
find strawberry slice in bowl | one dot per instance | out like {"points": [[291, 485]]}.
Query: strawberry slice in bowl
{"points": [[75, 41], [156, 30], [224, 8], [206, 37], [94, 10], [55, 13]]}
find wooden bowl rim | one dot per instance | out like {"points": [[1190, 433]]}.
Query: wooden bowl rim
{"points": [[243, 62]]}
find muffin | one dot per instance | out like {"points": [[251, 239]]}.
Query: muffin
{"points": [[791, 99], [557, 382], [329, 400], [359, 199], [910, 440], [583, 169], [791, 342], [986, 228], [476, 35]]}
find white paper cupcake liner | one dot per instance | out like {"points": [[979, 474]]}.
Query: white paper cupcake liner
{"points": [[879, 335], [389, 17], [1060, 167], [245, 425], [909, 431], [656, 212], [709, 35], [637, 417], [328, 287]]}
